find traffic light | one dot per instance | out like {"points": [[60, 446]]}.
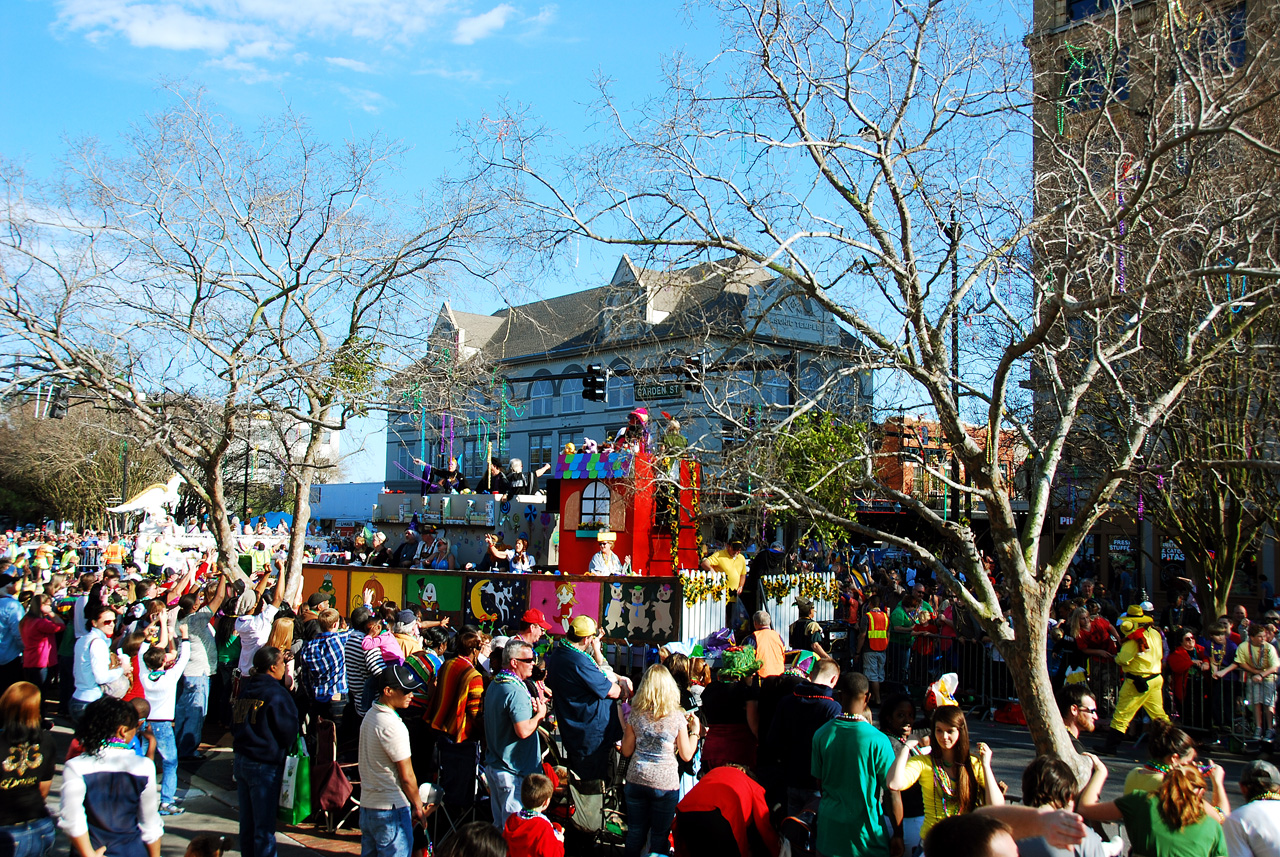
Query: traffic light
{"points": [[58, 400], [595, 387], [693, 367]]}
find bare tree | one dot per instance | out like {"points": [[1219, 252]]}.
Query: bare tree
{"points": [[910, 169], [209, 273]]}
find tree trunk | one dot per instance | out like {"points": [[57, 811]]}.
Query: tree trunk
{"points": [[220, 525], [298, 537]]}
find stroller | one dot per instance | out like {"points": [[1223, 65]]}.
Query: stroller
{"points": [[592, 812]]}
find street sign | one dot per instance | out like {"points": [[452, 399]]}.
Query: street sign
{"points": [[659, 390]]}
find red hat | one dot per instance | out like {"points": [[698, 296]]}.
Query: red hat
{"points": [[535, 617]]}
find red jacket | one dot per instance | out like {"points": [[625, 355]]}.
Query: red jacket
{"points": [[532, 834]]}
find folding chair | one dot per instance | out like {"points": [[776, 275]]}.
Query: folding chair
{"points": [[334, 784], [463, 791]]}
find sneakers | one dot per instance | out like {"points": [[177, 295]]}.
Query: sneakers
{"points": [[1270, 736], [171, 809]]}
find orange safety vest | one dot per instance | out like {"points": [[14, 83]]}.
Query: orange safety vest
{"points": [[877, 631]]}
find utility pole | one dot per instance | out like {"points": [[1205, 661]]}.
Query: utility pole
{"points": [[955, 361]]}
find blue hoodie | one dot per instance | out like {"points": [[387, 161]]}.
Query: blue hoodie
{"points": [[264, 721]]}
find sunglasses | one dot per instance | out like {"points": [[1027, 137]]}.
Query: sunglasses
{"points": [[108, 621], [525, 660], [1088, 711]]}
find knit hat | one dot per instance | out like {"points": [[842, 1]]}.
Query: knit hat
{"points": [[739, 663]]}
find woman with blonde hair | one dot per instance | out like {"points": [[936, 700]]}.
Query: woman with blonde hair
{"points": [[1173, 821], [656, 730], [281, 637]]}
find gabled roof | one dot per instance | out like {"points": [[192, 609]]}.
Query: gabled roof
{"points": [[638, 303]]}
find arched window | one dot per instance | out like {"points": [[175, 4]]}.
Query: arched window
{"points": [[541, 398], [571, 401], [595, 505]]}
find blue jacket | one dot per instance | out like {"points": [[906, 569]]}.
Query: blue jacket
{"points": [[264, 721]]}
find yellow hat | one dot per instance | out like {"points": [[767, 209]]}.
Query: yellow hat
{"points": [[582, 626], [606, 536]]}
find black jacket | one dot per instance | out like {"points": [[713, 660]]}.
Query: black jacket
{"points": [[264, 721]]}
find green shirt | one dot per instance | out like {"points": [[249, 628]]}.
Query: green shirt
{"points": [[851, 759], [900, 617], [1150, 836]]}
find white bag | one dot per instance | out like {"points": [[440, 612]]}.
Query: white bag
{"points": [[288, 783]]}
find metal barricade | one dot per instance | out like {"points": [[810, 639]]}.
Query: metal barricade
{"points": [[1210, 708]]}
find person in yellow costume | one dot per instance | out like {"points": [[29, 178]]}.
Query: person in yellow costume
{"points": [[1140, 657]]}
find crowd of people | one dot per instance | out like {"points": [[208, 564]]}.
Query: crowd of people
{"points": [[760, 741]]}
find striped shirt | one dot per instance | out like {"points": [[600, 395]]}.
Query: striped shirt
{"points": [[456, 705], [360, 664]]}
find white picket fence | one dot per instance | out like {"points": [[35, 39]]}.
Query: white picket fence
{"points": [[700, 620], [785, 612]]}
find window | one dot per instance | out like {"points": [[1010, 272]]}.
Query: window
{"points": [[1091, 78], [541, 450], [622, 392], [573, 436], [571, 401], [595, 505], [471, 458], [541, 398], [775, 388]]}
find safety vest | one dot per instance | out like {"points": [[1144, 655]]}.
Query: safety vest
{"points": [[877, 631]]}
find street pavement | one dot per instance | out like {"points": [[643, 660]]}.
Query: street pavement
{"points": [[212, 804]]}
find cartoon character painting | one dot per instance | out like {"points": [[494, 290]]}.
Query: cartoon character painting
{"points": [[565, 601], [429, 600], [638, 621], [614, 613], [662, 611], [497, 601]]}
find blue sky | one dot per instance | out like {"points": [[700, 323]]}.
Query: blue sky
{"points": [[412, 69]]}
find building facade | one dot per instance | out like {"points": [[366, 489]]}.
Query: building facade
{"points": [[515, 378]]}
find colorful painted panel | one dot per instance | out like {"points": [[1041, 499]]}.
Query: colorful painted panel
{"points": [[332, 581], [560, 600], [382, 584], [500, 601], [437, 593], [641, 612], [582, 465]]}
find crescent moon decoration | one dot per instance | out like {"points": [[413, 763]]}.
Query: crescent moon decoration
{"points": [[477, 607]]}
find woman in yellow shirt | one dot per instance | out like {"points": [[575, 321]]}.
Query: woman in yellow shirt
{"points": [[952, 782]]}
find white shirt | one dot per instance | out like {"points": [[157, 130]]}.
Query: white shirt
{"points": [[253, 631], [1253, 830], [162, 692], [599, 565], [384, 741], [91, 665]]}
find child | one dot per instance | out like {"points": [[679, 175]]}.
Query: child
{"points": [[207, 845], [144, 742], [1259, 660], [529, 833], [161, 689]]}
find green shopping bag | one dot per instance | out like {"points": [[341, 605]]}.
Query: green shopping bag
{"points": [[295, 786]]}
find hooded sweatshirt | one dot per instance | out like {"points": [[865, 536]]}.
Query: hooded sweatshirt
{"points": [[264, 721], [796, 720]]}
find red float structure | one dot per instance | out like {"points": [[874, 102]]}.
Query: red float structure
{"points": [[650, 503]]}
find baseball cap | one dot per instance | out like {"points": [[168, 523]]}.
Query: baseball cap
{"points": [[535, 617], [317, 598], [406, 617], [1260, 774], [777, 546], [582, 626], [401, 677]]}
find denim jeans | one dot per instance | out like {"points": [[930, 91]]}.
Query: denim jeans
{"points": [[504, 794], [188, 716], [32, 839], [899, 662], [652, 811], [167, 750], [75, 709], [259, 787], [386, 832]]}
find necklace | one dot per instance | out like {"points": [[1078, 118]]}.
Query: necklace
{"points": [[852, 717], [565, 644], [119, 745], [1267, 796], [508, 677], [1158, 768], [943, 787]]}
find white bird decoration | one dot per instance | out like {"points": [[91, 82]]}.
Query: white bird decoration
{"points": [[152, 498]]}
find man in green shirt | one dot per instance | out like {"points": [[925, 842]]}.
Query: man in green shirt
{"points": [[902, 633], [851, 761]]}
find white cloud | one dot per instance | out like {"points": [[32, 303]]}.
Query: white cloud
{"points": [[545, 16], [365, 99], [216, 26], [473, 29], [349, 64], [466, 75]]}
